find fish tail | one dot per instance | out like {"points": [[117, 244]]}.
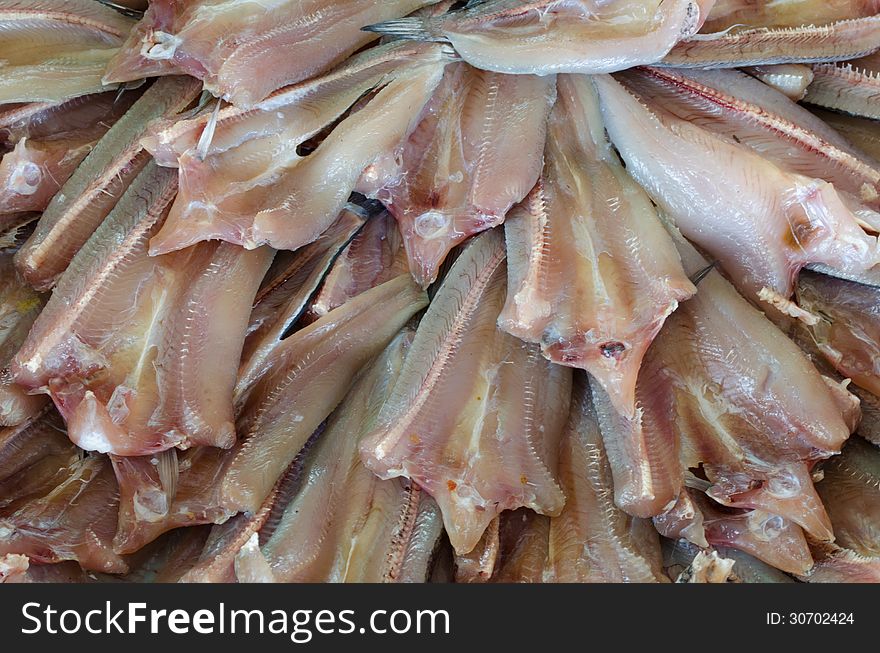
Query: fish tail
{"points": [[411, 29]]}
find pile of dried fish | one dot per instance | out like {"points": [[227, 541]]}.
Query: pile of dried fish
{"points": [[419, 290]]}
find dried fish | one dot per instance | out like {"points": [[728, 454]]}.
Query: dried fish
{"points": [[852, 87]]}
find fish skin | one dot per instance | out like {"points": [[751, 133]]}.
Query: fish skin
{"points": [[475, 444], [785, 13], [843, 566], [278, 306], [847, 330], [760, 46], [19, 308], [861, 133], [525, 540], [73, 521], [54, 50], [544, 37], [343, 524], [795, 219], [850, 490], [308, 375], [852, 87], [251, 184], [475, 153], [592, 273], [478, 565], [93, 190]]}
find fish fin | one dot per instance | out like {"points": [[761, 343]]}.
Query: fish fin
{"points": [[410, 29]]}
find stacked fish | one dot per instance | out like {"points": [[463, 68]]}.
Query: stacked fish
{"points": [[407, 290]]}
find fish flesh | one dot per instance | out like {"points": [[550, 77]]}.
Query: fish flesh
{"points": [[121, 346], [759, 221], [785, 13], [306, 376], [475, 415], [224, 42], [478, 129], [244, 176], [592, 273], [543, 37], [790, 79], [94, 189], [54, 50]]}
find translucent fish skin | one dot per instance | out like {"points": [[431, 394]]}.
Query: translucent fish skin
{"points": [[122, 345], [224, 42], [592, 273], [374, 256], [92, 191], [850, 491], [847, 329], [737, 107], [244, 177], [56, 50], [19, 308], [836, 41], [760, 222], [732, 387], [478, 565], [475, 415], [785, 13], [148, 507], [306, 377], [475, 153], [592, 540], [51, 144], [525, 540], [544, 37], [343, 524], [852, 87], [280, 303], [74, 521]]}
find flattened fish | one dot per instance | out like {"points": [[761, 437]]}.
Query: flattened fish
{"points": [[790, 79], [54, 50], [592, 273], [244, 176], [225, 42], [97, 184], [785, 13], [306, 376], [852, 87], [760, 222], [124, 345], [475, 153], [476, 414], [548, 36]]}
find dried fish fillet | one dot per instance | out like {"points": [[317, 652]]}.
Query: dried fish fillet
{"points": [[306, 376], [592, 540], [74, 521], [292, 280], [475, 415], [224, 42], [524, 544], [592, 273], [250, 183], [785, 13], [760, 46], [852, 87], [544, 36], [96, 186], [53, 50], [478, 565], [859, 132], [847, 326], [760, 222], [375, 255], [790, 79], [850, 491], [19, 308], [843, 566], [742, 110], [343, 524], [123, 347], [475, 153]]}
